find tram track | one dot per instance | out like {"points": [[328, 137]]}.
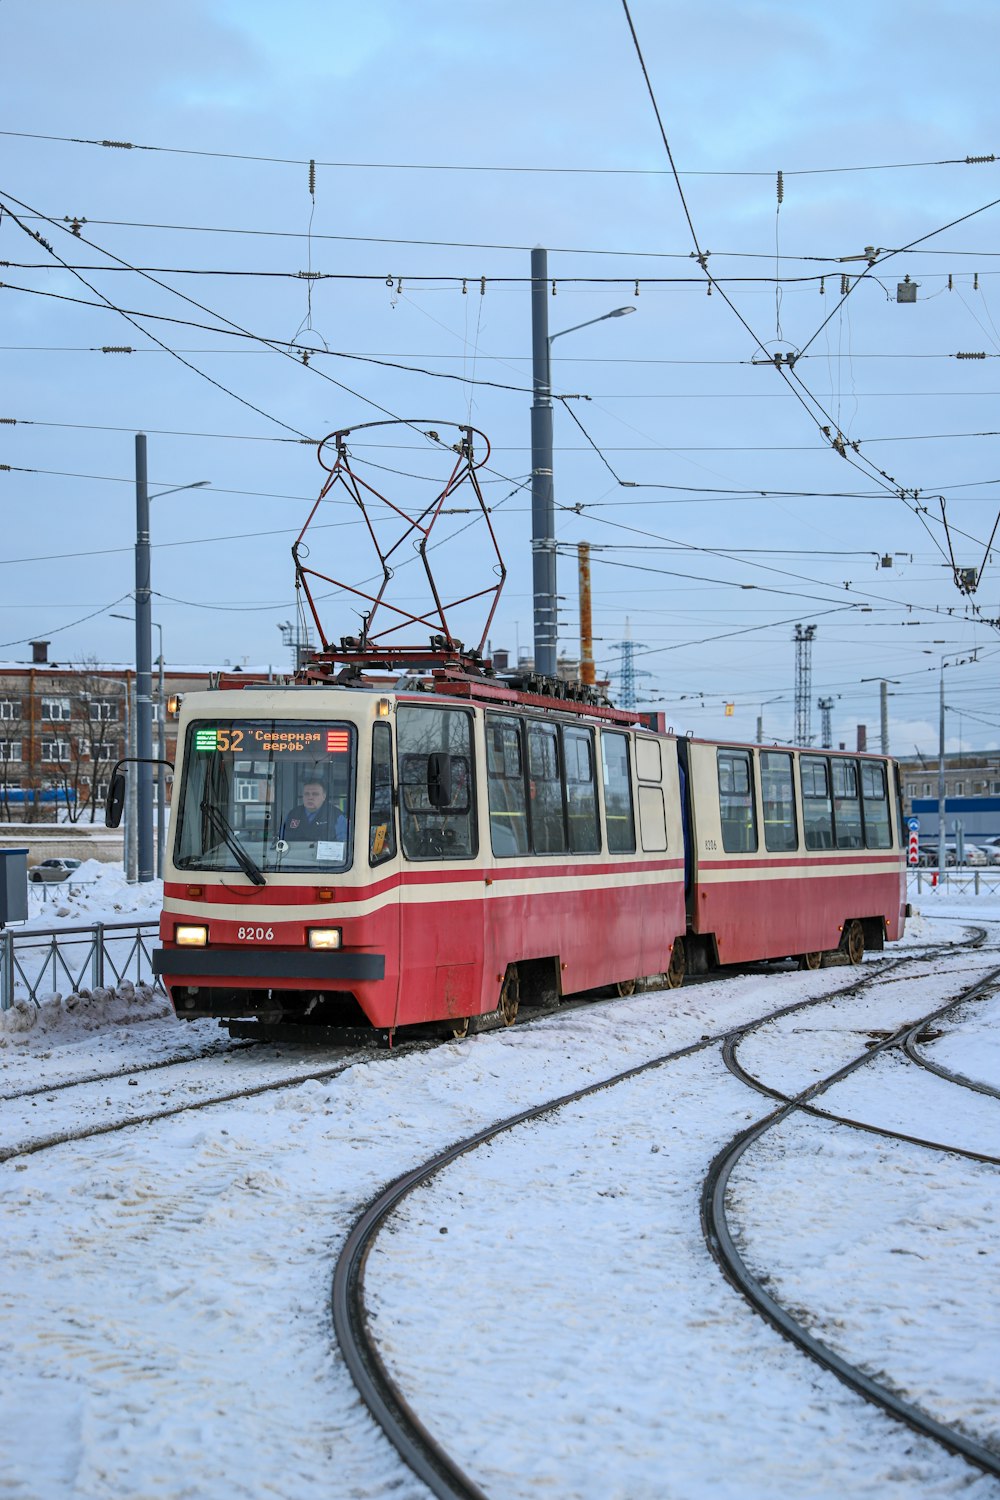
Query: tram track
{"points": [[38, 1143], [721, 1242], [218, 1049], [910, 1046], [388, 1404]]}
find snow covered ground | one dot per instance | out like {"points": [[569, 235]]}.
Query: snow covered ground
{"points": [[548, 1302]]}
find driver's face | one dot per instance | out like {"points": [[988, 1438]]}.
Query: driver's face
{"points": [[313, 796]]}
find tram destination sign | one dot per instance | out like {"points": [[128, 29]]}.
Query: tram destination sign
{"points": [[272, 739]]}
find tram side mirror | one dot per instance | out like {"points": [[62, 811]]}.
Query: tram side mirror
{"points": [[439, 779], [114, 804]]}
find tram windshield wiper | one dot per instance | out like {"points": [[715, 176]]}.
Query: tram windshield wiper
{"points": [[224, 829]]}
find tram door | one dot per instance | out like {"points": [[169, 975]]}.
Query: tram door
{"points": [[383, 850], [441, 913]]}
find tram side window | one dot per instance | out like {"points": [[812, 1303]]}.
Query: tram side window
{"points": [[508, 802], [617, 793], [548, 822], [817, 808], [847, 804], [739, 816], [382, 820], [878, 829], [437, 813], [778, 792], [581, 793]]}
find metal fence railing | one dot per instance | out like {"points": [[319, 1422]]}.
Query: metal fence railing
{"points": [[960, 881], [105, 954]]}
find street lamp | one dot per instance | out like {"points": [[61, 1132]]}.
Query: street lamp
{"points": [[543, 545], [960, 662], [143, 658]]}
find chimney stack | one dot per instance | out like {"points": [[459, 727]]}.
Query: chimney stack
{"points": [[39, 652]]}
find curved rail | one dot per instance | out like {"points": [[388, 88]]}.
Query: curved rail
{"points": [[423, 1454], [723, 1249], [915, 1055]]}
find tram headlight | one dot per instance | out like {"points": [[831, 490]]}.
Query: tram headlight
{"points": [[191, 937], [324, 938]]}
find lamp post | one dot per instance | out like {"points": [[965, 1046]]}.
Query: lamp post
{"points": [[960, 662], [543, 542], [143, 656]]}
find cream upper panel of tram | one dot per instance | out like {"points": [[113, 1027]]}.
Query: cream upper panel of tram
{"points": [[652, 779], [747, 806]]}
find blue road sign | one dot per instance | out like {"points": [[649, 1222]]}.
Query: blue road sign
{"points": [[913, 824]]}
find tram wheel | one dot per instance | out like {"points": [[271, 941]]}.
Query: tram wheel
{"points": [[810, 960], [625, 987], [853, 941], [678, 965], [510, 996]]}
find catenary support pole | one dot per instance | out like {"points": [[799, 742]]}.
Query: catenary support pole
{"points": [[587, 671], [884, 697], [941, 792], [161, 770], [543, 546], [143, 668]]}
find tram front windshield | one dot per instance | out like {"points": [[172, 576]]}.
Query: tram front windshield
{"points": [[263, 796]]}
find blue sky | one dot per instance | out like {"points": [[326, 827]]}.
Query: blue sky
{"points": [[676, 399]]}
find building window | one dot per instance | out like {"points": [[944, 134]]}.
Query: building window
{"points": [[911, 789], [927, 788], [103, 709], [109, 752], [10, 750], [56, 710], [959, 789], [57, 750], [10, 708]]}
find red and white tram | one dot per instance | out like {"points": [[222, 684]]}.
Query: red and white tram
{"points": [[464, 842]]}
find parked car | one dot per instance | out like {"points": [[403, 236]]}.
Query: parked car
{"points": [[53, 869], [974, 855]]}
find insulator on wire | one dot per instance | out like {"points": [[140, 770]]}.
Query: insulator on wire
{"points": [[781, 188], [822, 286], [553, 286], [465, 287], [845, 285], [636, 292], [482, 286], [950, 288], [312, 179], [975, 282]]}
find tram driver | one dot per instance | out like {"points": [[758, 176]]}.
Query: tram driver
{"points": [[315, 818]]}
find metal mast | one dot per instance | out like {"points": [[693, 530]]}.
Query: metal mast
{"points": [[628, 671], [825, 707], [803, 682]]}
